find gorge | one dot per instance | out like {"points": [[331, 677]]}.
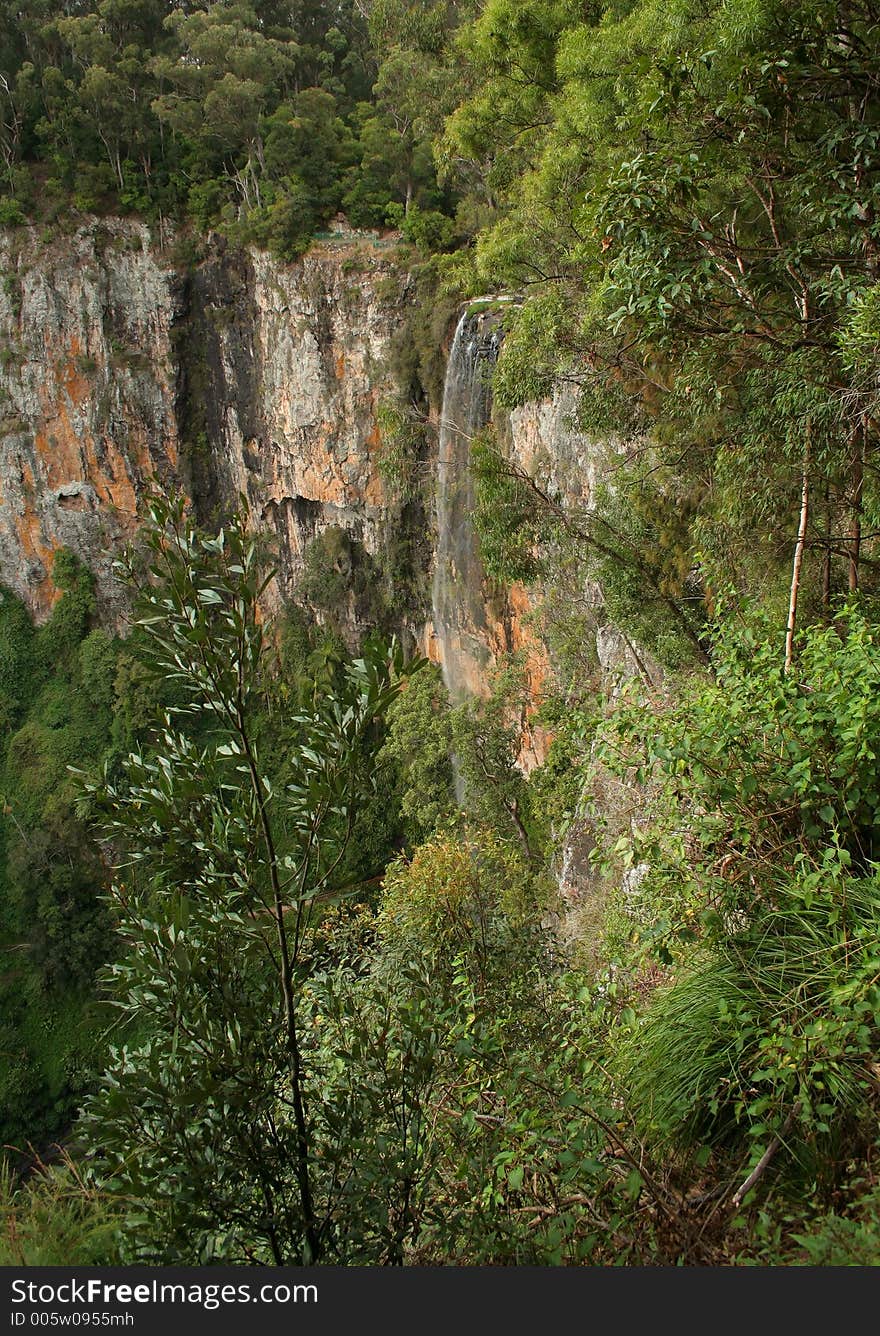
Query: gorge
{"points": [[246, 377], [439, 633]]}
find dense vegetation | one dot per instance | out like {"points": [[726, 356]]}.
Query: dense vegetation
{"points": [[58, 688], [266, 119], [354, 1022]]}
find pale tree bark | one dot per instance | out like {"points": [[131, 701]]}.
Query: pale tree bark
{"points": [[801, 541], [799, 546]]}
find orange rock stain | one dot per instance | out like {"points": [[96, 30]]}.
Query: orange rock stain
{"points": [[517, 635], [36, 546], [67, 452]]}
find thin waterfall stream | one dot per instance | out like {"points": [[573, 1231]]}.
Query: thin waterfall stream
{"points": [[458, 608]]}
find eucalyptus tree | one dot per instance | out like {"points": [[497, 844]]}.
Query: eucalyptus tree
{"points": [[210, 1118], [222, 77], [688, 198]]}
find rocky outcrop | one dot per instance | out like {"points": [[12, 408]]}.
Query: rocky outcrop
{"points": [[121, 370], [282, 371], [238, 375], [87, 399], [476, 625], [544, 440]]}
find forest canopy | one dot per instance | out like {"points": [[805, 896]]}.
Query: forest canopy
{"points": [[267, 118]]}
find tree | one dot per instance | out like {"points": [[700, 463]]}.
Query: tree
{"points": [[307, 149], [223, 76], [419, 744], [687, 196], [209, 1116], [16, 102]]}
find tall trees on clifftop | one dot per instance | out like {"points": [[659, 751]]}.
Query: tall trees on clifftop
{"points": [[260, 118]]}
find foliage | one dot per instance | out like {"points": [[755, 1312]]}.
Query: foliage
{"points": [[682, 201], [509, 527], [417, 360], [56, 685], [684, 196], [52, 1044], [429, 230], [850, 1238], [466, 898], [486, 740], [341, 577], [419, 744], [772, 1033], [54, 1218], [635, 540], [403, 439], [266, 123], [211, 1116], [519, 1160], [534, 1169], [757, 881], [17, 664], [374, 1051], [779, 765]]}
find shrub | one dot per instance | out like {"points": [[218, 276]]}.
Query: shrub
{"points": [[419, 744], [55, 1218], [765, 819], [467, 897], [11, 213], [403, 438]]}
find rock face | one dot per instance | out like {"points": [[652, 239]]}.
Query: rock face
{"points": [[474, 624], [543, 440], [119, 371], [282, 371], [87, 399]]}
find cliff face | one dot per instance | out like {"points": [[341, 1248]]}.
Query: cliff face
{"points": [[237, 375], [282, 371], [120, 371], [117, 371], [541, 439], [87, 399]]}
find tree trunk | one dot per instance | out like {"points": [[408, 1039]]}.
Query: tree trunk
{"points": [[798, 552], [303, 1149]]}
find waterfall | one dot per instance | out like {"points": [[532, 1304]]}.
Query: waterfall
{"points": [[458, 609]]}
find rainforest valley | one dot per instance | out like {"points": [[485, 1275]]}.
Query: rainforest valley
{"points": [[440, 632]]}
